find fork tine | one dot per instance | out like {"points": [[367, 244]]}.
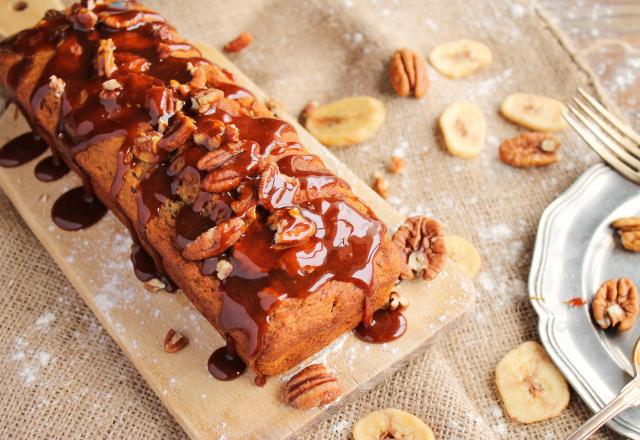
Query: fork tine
{"points": [[617, 149], [631, 147], [602, 151], [610, 117]]}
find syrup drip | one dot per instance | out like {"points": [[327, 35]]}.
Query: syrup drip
{"points": [[74, 210], [21, 150], [145, 268], [224, 364], [386, 326], [51, 168]]}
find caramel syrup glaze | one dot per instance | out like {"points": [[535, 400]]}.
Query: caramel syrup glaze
{"points": [[51, 168], [386, 326], [21, 150], [346, 239], [225, 364]]}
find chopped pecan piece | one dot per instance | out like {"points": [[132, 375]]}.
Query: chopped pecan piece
{"points": [[246, 199], [145, 144], [182, 89], [629, 230], [396, 165], [421, 244], [205, 99], [291, 227], [130, 62], [105, 59], [408, 73], [82, 18], [180, 131], [218, 239], [276, 190], [223, 269], [396, 301], [57, 85], [531, 149], [161, 103], [313, 386], [126, 21], [174, 341], [240, 42], [381, 186], [616, 304], [221, 180], [209, 133]]}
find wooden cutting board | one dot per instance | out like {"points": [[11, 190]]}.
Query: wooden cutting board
{"points": [[96, 261]]}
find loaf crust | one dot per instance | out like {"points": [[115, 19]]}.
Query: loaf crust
{"points": [[168, 108]]}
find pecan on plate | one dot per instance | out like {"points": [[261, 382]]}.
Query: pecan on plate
{"points": [[421, 244], [616, 304], [532, 149], [105, 60], [291, 227], [219, 238], [629, 230], [408, 73], [243, 40], [174, 341], [312, 387]]}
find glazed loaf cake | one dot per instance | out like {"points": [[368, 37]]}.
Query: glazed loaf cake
{"points": [[270, 246]]}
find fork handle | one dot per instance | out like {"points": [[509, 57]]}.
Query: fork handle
{"points": [[629, 396]]}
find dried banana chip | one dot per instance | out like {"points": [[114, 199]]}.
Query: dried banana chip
{"points": [[532, 389], [347, 121], [535, 112], [460, 58], [391, 423], [464, 254], [463, 129]]}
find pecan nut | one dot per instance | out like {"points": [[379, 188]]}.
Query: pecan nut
{"points": [[291, 227], [312, 387], [174, 341], [243, 40], [381, 186], [219, 238], [204, 100], [217, 158], [616, 304], [83, 19], [408, 73], [531, 149], [181, 129], [276, 190], [105, 59], [629, 230], [421, 244], [219, 181]]}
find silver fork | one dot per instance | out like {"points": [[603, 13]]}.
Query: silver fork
{"points": [[628, 397], [614, 141]]}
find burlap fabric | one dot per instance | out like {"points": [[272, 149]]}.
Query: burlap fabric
{"points": [[63, 377]]}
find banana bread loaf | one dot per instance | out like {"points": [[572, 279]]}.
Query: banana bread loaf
{"points": [[269, 245]]}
